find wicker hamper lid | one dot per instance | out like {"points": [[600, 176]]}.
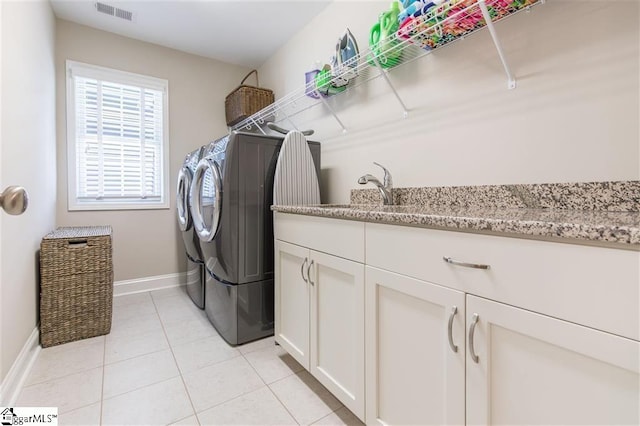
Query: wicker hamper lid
{"points": [[78, 232]]}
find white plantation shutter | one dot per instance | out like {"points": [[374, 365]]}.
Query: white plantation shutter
{"points": [[119, 139]]}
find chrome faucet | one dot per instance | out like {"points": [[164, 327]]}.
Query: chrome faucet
{"points": [[386, 189]]}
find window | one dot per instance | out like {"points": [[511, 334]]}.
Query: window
{"points": [[117, 139]]}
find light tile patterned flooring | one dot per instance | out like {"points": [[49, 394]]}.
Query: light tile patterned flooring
{"points": [[163, 363]]}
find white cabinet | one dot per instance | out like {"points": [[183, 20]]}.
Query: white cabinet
{"points": [[534, 369], [291, 302], [593, 286], [337, 328], [555, 327], [535, 364], [319, 306], [415, 341]]}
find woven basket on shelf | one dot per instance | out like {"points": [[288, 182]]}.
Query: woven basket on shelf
{"points": [[76, 284], [246, 100]]}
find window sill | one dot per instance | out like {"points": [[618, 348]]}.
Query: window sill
{"points": [[108, 206]]}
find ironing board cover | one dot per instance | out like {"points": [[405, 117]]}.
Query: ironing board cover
{"points": [[295, 182]]}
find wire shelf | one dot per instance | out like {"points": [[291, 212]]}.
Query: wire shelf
{"points": [[440, 26]]}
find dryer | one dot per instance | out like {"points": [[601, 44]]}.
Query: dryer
{"points": [[230, 201], [195, 261]]}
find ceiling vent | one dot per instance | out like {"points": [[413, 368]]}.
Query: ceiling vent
{"points": [[114, 11]]}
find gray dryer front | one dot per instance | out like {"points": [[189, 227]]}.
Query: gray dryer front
{"points": [[230, 199]]}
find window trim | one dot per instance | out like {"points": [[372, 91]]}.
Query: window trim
{"points": [[120, 77]]}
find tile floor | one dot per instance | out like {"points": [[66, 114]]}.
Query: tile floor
{"points": [[163, 363]]}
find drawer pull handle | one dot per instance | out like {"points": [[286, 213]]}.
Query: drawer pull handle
{"points": [[454, 311], [302, 270], [472, 329], [465, 264], [308, 275]]}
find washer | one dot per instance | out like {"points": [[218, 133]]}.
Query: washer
{"points": [[195, 260], [230, 201]]}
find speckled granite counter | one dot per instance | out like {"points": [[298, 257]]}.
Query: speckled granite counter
{"points": [[604, 226], [619, 196]]}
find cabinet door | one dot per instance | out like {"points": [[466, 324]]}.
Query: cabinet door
{"points": [[414, 375], [337, 328], [291, 302], [534, 369]]}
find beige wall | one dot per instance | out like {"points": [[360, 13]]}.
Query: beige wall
{"points": [[146, 242], [573, 116], [28, 152]]}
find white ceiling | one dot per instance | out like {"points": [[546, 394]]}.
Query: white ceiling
{"points": [[239, 32]]}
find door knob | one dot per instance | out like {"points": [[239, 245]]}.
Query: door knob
{"points": [[14, 200]]}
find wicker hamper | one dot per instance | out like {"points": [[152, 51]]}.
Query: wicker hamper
{"points": [[76, 284], [246, 100]]}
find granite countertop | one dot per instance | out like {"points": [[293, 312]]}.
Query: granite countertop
{"points": [[611, 227], [619, 229]]}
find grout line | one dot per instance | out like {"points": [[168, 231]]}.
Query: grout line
{"points": [[76, 409], [167, 296], [191, 341], [282, 403], [258, 373], [237, 396], [141, 387], [52, 379], [229, 400], [214, 335], [185, 418], [258, 349], [296, 373], [120, 322], [268, 385], [62, 354], [253, 368], [240, 354], [136, 356], [208, 365], [193, 407]]}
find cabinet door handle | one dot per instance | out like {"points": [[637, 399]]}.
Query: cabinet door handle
{"points": [[302, 270], [308, 275], [472, 329], [454, 311], [465, 264]]}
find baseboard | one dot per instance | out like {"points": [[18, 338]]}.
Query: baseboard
{"points": [[139, 285], [13, 382]]}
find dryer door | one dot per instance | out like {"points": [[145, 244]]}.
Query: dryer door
{"points": [[206, 199], [182, 200]]}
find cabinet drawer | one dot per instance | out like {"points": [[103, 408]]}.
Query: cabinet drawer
{"points": [[594, 286], [343, 238]]}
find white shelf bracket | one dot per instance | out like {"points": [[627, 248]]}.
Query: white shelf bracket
{"points": [[511, 80], [286, 116], [405, 111], [256, 124], [326, 104]]}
